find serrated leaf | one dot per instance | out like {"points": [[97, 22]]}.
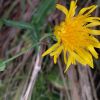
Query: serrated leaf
{"points": [[39, 17]]}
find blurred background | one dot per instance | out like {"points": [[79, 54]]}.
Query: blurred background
{"points": [[25, 33]]}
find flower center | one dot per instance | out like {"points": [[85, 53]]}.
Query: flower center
{"points": [[73, 32]]}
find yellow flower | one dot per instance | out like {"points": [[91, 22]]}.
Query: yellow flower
{"points": [[75, 36]]}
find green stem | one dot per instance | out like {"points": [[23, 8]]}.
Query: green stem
{"points": [[21, 53], [45, 36]]}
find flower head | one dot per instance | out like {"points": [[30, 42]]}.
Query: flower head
{"points": [[76, 36]]}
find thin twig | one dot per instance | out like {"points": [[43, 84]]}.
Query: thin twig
{"points": [[37, 68], [29, 74]]}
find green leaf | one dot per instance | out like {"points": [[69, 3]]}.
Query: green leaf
{"points": [[46, 6], [2, 65], [55, 79], [41, 92], [39, 17], [21, 25]]}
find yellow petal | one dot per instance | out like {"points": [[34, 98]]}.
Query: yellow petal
{"points": [[94, 42], [50, 49], [65, 60], [58, 39], [68, 62], [86, 56], [95, 23], [93, 39], [87, 10], [92, 19], [57, 51], [55, 59], [97, 45], [79, 59], [94, 32], [72, 9], [82, 61], [62, 8], [93, 52]]}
